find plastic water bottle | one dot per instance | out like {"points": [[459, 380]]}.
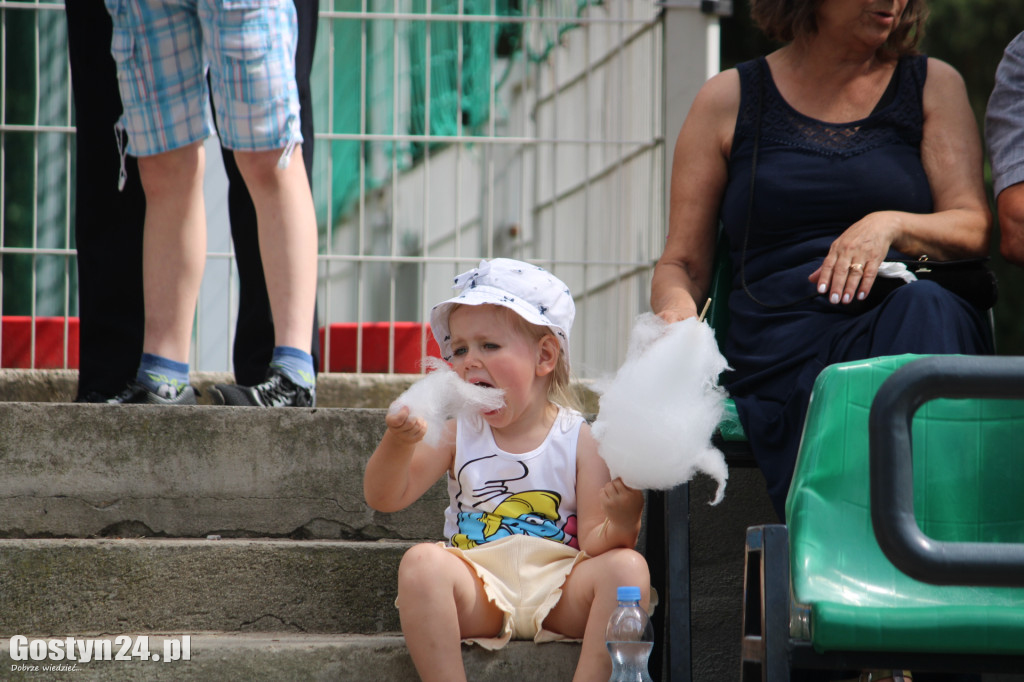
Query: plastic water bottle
{"points": [[629, 638]]}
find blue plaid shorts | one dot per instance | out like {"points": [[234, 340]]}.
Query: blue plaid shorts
{"points": [[163, 50]]}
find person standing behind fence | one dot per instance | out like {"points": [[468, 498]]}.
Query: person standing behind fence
{"points": [[108, 223], [159, 48], [1004, 136]]}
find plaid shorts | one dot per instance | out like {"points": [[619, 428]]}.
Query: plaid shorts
{"points": [[163, 49]]}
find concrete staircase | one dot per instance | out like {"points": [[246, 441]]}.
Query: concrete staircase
{"points": [[243, 529], [105, 515]]}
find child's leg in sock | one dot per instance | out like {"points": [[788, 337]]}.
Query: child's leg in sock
{"points": [[167, 378], [286, 222], [296, 364], [174, 248]]}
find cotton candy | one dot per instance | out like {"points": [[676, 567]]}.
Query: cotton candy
{"points": [[442, 395], [657, 415]]}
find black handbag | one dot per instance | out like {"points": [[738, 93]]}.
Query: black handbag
{"points": [[972, 279]]}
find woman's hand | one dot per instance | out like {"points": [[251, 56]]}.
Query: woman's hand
{"points": [[851, 266]]}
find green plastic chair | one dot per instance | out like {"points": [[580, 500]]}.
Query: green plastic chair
{"points": [[943, 480]]}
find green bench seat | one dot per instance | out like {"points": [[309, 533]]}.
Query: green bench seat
{"points": [[730, 429], [840, 591]]}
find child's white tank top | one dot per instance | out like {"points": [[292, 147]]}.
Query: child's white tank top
{"points": [[496, 494]]}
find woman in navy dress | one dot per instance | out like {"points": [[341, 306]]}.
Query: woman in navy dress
{"points": [[865, 151]]}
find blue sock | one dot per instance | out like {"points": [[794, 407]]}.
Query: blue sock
{"points": [[297, 365], [162, 376]]}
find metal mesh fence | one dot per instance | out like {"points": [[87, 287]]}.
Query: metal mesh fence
{"points": [[542, 141], [36, 245], [447, 131]]}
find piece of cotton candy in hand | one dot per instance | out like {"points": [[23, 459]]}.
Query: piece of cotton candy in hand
{"points": [[442, 395], [658, 413]]}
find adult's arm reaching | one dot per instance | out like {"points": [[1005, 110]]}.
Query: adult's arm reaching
{"points": [[699, 174]]}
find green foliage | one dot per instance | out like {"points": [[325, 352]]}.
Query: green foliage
{"points": [[971, 35], [964, 25]]}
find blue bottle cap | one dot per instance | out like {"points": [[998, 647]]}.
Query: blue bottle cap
{"points": [[629, 593]]}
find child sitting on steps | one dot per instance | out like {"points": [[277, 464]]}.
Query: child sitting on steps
{"points": [[538, 536]]}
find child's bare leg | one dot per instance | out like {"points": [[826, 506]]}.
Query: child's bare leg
{"points": [[588, 599], [286, 223], [441, 601], [174, 248]]}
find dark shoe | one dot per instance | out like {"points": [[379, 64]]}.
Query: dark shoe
{"points": [[277, 391], [92, 397], [137, 393]]}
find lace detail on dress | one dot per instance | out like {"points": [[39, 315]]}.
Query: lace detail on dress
{"points": [[900, 121]]}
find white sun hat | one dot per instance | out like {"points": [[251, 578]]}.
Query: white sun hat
{"points": [[531, 291]]}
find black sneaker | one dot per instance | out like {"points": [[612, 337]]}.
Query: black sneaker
{"points": [[137, 393], [93, 397], [277, 391]]}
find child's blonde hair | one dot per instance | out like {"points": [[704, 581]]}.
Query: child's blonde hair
{"points": [[560, 389], [539, 302]]}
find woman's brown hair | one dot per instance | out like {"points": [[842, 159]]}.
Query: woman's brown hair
{"points": [[787, 20]]}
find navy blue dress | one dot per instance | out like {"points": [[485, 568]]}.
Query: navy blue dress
{"points": [[813, 180]]}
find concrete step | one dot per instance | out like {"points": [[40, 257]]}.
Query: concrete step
{"points": [[75, 470], [224, 657], [333, 389], [140, 585], [81, 471], [284, 607]]}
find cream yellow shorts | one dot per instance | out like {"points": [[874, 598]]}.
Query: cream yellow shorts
{"points": [[523, 575]]}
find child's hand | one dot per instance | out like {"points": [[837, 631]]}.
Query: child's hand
{"points": [[405, 429], [621, 504]]}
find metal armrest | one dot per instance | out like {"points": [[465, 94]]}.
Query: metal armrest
{"points": [[891, 461]]}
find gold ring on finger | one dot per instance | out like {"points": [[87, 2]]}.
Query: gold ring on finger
{"points": [[857, 267]]}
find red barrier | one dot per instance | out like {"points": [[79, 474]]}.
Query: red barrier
{"points": [[407, 349], [16, 342]]}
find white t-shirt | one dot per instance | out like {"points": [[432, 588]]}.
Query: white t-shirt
{"points": [[496, 494]]}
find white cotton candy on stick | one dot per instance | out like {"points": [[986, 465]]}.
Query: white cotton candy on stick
{"points": [[657, 415], [442, 395]]}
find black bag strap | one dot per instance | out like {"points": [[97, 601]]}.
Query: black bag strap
{"points": [[762, 77]]}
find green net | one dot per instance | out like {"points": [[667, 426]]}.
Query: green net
{"points": [[402, 77], [35, 175]]}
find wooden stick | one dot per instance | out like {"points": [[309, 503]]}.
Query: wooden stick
{"points": [[705, 311]]}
